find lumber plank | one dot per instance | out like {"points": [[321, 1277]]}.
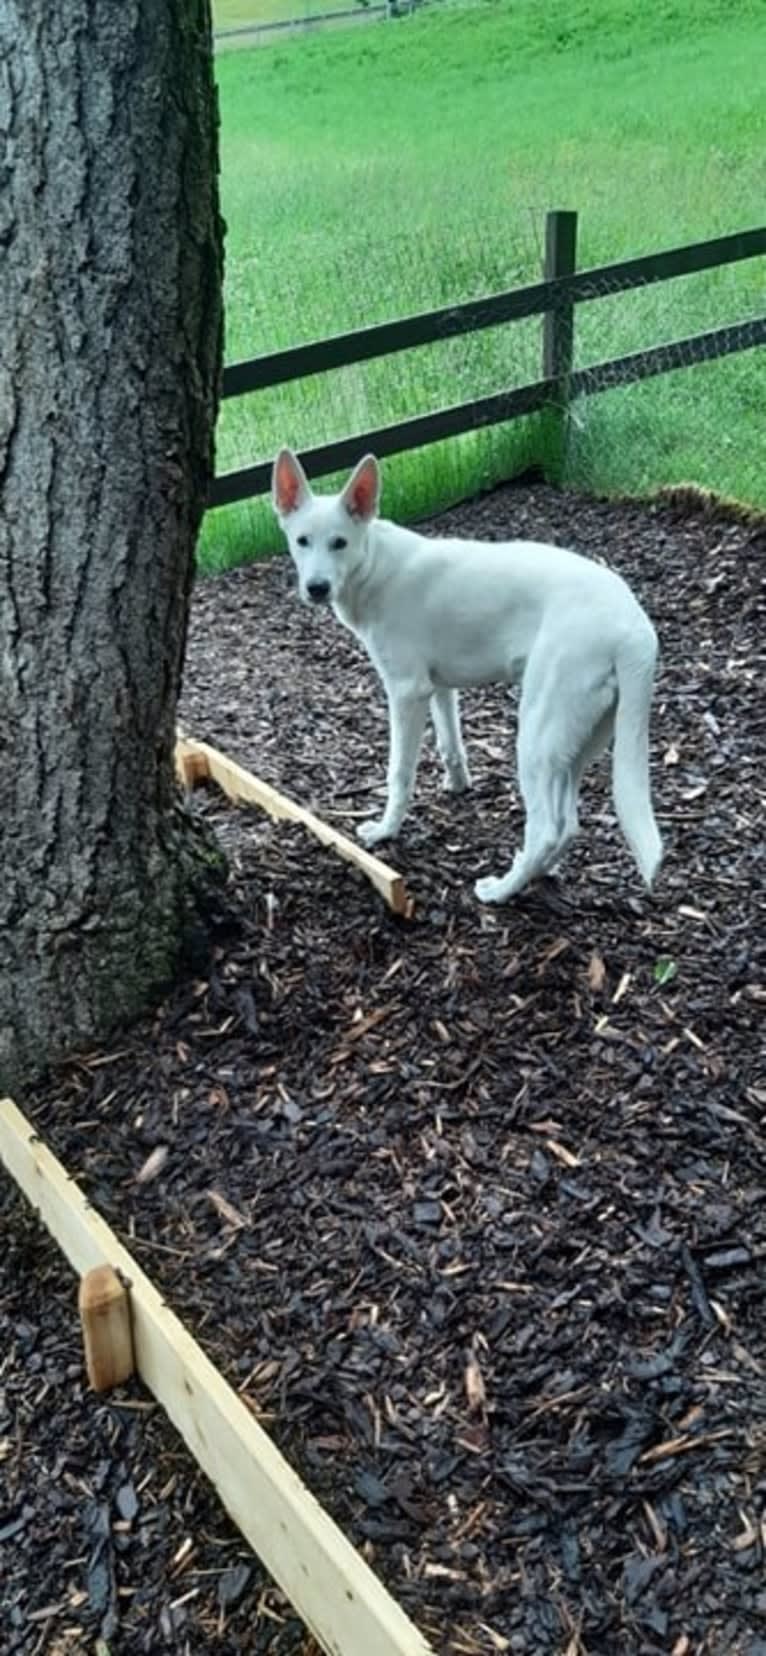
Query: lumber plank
{"points": [[342, 1602], [196, 760]]}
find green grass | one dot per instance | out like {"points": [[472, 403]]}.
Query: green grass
{"points": [[368, 173]]}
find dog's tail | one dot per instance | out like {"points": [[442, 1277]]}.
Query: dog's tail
{"points": [[630, 762]]}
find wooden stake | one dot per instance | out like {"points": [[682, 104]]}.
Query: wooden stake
{"points": [[191, 767], [196, 761], [106, 1328]]}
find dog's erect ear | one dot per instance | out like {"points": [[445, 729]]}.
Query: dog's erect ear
{"points": [[289, 484], [362, 492]]}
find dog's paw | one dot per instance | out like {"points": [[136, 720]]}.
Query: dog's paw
{"points": [[373, 833], [490, 890]]}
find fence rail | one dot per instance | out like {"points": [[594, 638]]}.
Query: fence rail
{"points": [[293, 25], [311, 20], [554, 298]]}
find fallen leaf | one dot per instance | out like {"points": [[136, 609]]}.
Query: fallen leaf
{"points": [[153, 1165], [474, 1385], [561, 1153], [230, 1214]]}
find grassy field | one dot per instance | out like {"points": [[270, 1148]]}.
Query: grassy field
{"points": [[368, 173]]}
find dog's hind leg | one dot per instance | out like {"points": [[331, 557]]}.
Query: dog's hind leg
{"points": [[546, 790], [408, 712], [565, 718], [445, 714], [594, 745]]}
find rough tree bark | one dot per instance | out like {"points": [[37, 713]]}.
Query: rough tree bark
{"points": [[110, 346]]}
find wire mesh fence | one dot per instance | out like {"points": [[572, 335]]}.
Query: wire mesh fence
{"points": [[475, 397]]}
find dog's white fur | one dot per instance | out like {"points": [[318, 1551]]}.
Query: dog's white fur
{"points": [[437, 615]]}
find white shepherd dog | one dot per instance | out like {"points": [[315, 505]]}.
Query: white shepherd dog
{"points": [[436, 616]]}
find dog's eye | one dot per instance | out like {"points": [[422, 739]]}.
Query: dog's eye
{"points": [[337, 543], [303, 540]]}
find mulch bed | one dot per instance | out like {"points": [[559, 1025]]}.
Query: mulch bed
{"points": [[469, 1209]]}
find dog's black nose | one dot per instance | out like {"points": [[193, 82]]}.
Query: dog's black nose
{"points": [[318, 591]]}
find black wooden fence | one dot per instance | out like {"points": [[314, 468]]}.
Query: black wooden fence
{"points": [[554, 298], [360, 13]]}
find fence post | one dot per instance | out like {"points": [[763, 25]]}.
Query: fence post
{"points": [[558, 322]]}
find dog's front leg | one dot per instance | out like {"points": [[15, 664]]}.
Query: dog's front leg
{"points": [[407, 712], [445, 712]]}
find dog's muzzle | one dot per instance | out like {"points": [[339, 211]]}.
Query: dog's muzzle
{"points": [[318, 591]]}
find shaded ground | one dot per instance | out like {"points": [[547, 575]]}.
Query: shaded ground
{"points": [[470, 1210]]}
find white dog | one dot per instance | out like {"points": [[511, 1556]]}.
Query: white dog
{"points": [[438, 615]]}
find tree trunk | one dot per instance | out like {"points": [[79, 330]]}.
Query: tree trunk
{"points": [[110, 347]]}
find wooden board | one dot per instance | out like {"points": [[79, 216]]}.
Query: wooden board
{"points": [[344, 1604], [196, 762]]}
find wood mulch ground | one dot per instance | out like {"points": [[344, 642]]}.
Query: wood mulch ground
{"points": [[470, 1209]]}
